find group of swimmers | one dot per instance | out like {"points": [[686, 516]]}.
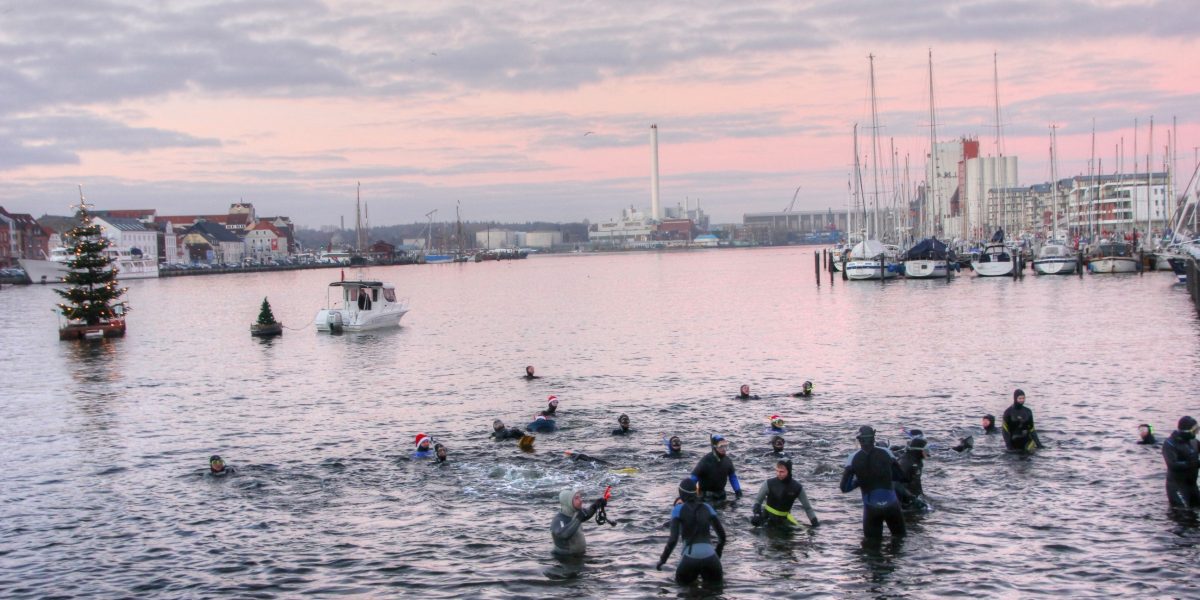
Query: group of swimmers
{"points": [[889, 486]]}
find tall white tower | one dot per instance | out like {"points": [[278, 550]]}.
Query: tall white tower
{"points": [[655, 211]]}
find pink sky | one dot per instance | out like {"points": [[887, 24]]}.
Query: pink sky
{"points": [[187, 109]]}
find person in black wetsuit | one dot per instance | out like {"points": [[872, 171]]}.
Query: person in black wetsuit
{"points": [[1019, 433], [529, 373], [873, 470], [1146, 435], [777, 445], [911, 494], [581, 457], [217, 468], [624, 429], [1181, 452], [777, 425], [776, 497], [542, 424], [566, 527], [439, 454], [713, 470], [691, 520], [501, 433], [551, 407], [989, 424], [674, 447], [744, 393], [805, 390]]}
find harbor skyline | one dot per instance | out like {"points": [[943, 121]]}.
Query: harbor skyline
{"points": [[529, 112]]}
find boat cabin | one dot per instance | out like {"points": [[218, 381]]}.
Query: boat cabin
{"points": [[995, 253], [365, 295]]}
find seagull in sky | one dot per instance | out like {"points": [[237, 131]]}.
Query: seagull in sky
{"points": [[587, 134]]}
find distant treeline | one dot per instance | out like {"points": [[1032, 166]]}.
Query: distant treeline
{"points": [[443, 235]]}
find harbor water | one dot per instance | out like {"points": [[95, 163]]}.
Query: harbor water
{"points": [[105, 444]]}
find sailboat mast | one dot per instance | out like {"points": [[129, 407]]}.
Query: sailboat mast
{"points": [[358, 216], [1003, 212], [1149, 184], [874, 222], [933, 168], [1054, 183], [1133, 201], [1092, 199], [858, 188]]}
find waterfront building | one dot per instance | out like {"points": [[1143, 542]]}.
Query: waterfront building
{"points": [[129, 234], [675, 229], [27, 238], [946, 173], [981, 175], [6, 255], [633, 227], [1118, 203], [207, 242], [264, 242], [543, 239], [793, 227], [492, 239]]}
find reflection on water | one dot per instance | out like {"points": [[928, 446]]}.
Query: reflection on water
{"points": [[107, 443]]}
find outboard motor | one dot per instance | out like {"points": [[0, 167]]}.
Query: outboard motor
{"points": [[334, 320]]}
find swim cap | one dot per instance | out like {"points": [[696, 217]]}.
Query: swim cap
{"points": [[526, 443], [776, 418], [1016, 393], [716, 437], [497, 424], [1186, 423], [687, 488], [420, 439], [914, 434], [918, 443], [623, 417], [866, 432], [214, 458]]}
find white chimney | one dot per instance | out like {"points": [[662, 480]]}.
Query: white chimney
{"points": [[654, 208]]}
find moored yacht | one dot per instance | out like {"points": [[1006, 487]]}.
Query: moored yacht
{"points": [[928, 259], [996, 260], [1055, 258], [870, 259], [54, 267], [365, 305], [1113, 257]]}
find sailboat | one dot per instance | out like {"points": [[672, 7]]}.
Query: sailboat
{"points": [[431, 258], [997, 259], [1054, 257], [870, 259], [929, 258]]}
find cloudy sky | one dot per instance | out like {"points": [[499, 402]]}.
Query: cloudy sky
{"points": [[186, 106]]}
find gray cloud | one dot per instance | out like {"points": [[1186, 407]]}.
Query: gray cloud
{"points": [[57, 139]]}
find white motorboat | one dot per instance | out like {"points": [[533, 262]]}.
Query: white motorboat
{"points": [[54, 268], [365, 305], [1113, 257], [927, 260], [996, 260], [870, 259], [1055, 258]]}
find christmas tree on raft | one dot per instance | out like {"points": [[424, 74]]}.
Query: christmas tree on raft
{"points": [[93, 308], [266, 326]]}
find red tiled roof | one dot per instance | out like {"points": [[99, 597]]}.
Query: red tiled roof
{"points": [[264, 225]]}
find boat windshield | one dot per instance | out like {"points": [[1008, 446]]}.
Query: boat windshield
{"points": [[1052, 251], [389, 294], [1114, 250]]}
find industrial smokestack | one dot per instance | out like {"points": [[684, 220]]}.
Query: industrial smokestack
{"points": [[654, 208]]}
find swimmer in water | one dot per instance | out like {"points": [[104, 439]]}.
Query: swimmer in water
{"points": [[692, 520], [674, 447], [439, 453], [529, 373], [542, 424], [714, 469], [777, 445], [217, 468], [423, 446], [500, 432], [1019, 432], [581, 457], [1182, 455], [805, 390], [989, 424], [624, 429], [551, 407], [777, 495], [912, 463], [744, 393], [1146, 435], [566, 529], [777, 425], [873, 470]]}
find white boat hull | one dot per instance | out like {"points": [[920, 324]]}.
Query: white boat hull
{"points": [[52, 271], [993, 269], [926, 269], [355, 320], [864, 270], [1055, 266], [1113, 264]]}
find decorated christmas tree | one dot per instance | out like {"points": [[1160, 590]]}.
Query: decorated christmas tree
{"points": [[265, 317], [93, 295]]}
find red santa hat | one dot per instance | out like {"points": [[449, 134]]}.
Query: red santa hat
{"points": [[420, 439], [552, 400]]}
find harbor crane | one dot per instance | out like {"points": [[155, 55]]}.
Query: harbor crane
{"points": [[793, 203]]}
